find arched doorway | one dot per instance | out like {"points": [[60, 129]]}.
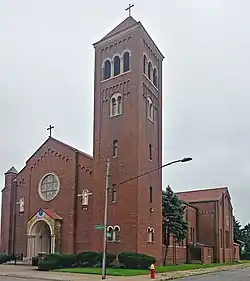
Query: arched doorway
{"points": [[40, 239]]}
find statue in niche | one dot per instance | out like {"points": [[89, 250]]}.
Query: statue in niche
{"points": [[85, 198], [21, 204]]}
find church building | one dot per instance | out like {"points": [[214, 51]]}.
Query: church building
{"points": [[56, 202]]}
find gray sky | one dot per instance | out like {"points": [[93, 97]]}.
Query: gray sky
{"points": [[46, 76]]}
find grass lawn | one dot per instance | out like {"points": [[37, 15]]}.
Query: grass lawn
{"points": [[134, 272]]}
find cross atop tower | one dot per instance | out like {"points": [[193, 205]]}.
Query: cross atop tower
{"points": [[50, 129], [129, 9]]}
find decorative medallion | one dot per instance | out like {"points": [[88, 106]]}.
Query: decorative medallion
{"points": [[49, 187], [40, 214]]}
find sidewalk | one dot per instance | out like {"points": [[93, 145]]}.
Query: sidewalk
{"points": [[29, 272]]}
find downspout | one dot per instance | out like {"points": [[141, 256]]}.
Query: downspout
{"points": [[187, 238], [223, 227], [14, 220], [29, 195], [75, 200], [216, 232]]}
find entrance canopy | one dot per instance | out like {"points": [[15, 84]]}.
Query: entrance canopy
{"points": [[43, 230]]}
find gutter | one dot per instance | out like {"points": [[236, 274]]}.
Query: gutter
{"points": [[75, 199]]}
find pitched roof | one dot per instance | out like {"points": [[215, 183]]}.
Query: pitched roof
{"points": [[48, 212], [127, 23], [52, 214], [12, 170], [62, 143], [202, 194]]}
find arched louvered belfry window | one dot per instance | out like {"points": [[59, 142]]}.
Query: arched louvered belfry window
{"points": [[144, 64], [155, 78], [107, 70], [126, 62], [149, 70], [117, 66]]}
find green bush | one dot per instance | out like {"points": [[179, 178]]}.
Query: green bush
{"points": [[86, 259], [67, 261], [34, 261], [52, 261], [245, 256], [109, 258], [92, 259], [5, 258], [135, 260]]}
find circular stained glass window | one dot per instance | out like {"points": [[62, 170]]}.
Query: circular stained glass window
{"points": [[49, 187]]}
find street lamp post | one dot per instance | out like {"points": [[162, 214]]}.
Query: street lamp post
{"points": [[105, 221], [186, 159]]}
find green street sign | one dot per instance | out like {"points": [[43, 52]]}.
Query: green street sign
{"points": [[99, 227], [109, 235]]}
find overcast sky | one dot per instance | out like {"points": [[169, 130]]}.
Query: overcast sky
{"points": [[46, 77]]}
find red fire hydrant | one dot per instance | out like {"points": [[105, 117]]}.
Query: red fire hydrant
{"points": [[152, 271]]}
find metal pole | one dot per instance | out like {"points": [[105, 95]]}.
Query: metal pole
{"points": [[14, 218], [105, 222]]}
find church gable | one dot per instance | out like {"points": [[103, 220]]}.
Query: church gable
{"points": [[127, 23], [58, 149]]}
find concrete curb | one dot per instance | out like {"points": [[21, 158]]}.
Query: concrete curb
{"points": [[33, 277], [183, 274]]}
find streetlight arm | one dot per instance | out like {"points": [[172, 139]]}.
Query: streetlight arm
{"points": [[186, 159]]}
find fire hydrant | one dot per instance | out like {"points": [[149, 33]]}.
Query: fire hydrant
{"points": [[152, 271]]}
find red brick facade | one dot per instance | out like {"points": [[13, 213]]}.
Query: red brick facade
{"points": [[135, 85], [128, 131], [214, 218]]}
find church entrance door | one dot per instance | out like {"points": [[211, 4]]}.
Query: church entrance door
{"points": [[40, 239]]}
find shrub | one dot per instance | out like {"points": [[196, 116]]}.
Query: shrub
{"points": [[34, 261], [109, 258], [135, 260], [5, 258], [52, 261], [67, 261], [86, 259]]}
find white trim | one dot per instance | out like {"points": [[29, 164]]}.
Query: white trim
{"points": [[103, 62], [115, 96], [115, 55], [117, 227], [36, 222], [126, 51], [150, 110], [40, 183]]}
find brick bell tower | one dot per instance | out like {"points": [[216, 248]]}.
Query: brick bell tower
{"points": [[128, 131]]}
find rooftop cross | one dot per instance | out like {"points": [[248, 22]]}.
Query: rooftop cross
{"points": [[50, 129], [129, 9]]}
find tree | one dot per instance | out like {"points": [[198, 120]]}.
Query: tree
{"points": [[238, 232], [173, 219]]}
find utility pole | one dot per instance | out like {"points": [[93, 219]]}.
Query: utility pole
{"points": [[105, 221]]}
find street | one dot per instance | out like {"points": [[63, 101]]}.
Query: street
{"points": [[236, 275]]}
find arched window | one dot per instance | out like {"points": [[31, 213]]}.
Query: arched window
{"points": [[117, 66], [119, 105], [149, 70], [110, 233], [126, 63], [150, 109], [151, 232], [144, 64], [113, 106], [116, 236], [155, 82], [107, 70], [116, 104]]}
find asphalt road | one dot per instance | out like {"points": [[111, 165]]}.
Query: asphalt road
{"points": [[237, 275]]}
